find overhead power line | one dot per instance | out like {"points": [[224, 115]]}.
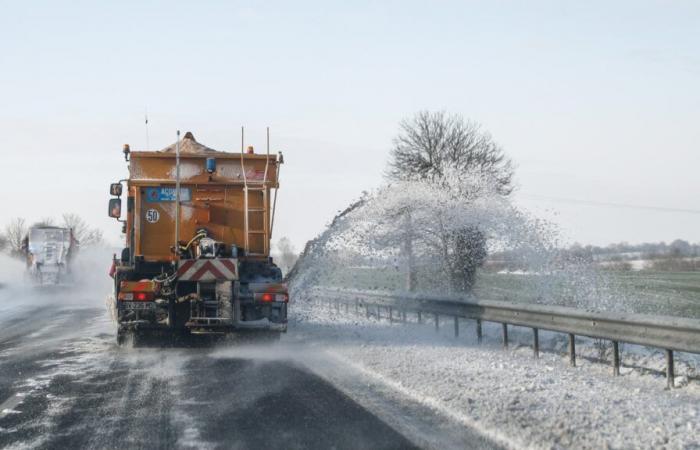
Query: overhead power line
{"points": [[612, 204]]}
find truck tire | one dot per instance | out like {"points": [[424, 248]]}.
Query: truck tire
{"points": [[121, 337]]}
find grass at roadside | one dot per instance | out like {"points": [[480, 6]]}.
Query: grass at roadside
{"points": [[665, 293], [652, 292]]}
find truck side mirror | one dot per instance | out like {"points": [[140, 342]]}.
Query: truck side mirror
{"points": [[115, 208], [115, 189]]}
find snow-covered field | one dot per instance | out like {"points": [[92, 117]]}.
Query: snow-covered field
{"points": [[509, 396]]}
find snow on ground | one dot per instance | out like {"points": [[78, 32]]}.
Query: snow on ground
{"points": [[635, 264], [508, 395], [515, 272]]}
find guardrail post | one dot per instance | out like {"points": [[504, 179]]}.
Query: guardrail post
{"points": [[666, 336], [572, 350], [391, 314], [616, 358]]}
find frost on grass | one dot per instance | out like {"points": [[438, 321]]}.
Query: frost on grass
{"points": [[510, 396]]}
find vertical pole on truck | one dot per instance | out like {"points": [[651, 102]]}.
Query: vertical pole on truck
{"points": [[245, 196], [266, 201], [148, 142], [177, 195], [278, 165], [267, 160], [274, 201]]}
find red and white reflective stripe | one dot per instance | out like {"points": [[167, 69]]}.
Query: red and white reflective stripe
{"points": [[207, 270]]}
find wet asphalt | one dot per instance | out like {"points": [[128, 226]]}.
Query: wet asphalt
{"points": [[64, 383]]}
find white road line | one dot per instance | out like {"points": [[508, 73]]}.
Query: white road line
{"points": [[434, 404], [9, 405]]}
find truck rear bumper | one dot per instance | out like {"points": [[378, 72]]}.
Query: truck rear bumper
{"points": [[200, 328], [262, 324], [200, 317], [257, 325]]}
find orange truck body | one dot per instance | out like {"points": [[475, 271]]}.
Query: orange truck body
{"points": [[215, 201], [200, 264]]}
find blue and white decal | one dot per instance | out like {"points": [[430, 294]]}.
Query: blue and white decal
{"points": [[167, 194]]}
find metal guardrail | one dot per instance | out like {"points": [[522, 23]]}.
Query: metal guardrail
{"points": [[667, 333]]}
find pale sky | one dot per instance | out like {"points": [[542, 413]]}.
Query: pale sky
{"points": [[597, 102]]}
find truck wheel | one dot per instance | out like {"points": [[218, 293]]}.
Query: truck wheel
{"points": [[121, 337]]}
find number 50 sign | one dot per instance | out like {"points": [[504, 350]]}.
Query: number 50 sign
{"points": [[152, 216]]}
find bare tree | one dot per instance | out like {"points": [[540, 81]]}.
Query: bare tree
{"points": [[3, 242], [45, 222], [287, 255], [431, 143], [82, 232], [15, 232], [440, 165], [432, 146]]}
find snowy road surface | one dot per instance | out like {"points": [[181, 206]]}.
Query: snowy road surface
{"points": [[65, 384], [336, 380], [509, 396]]}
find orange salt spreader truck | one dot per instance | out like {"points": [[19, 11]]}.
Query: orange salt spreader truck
{"points": [[197, 229]]}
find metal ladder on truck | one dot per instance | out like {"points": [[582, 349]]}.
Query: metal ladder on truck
{"points": [[258, 214]]}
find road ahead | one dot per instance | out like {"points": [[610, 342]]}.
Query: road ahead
{"points": [[64, 383]]}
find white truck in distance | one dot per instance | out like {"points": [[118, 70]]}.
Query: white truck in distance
{"points": [[49, 251]]}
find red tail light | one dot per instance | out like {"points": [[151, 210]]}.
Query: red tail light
{"points": [[138, 291], [268, 297], [136, 296]]}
